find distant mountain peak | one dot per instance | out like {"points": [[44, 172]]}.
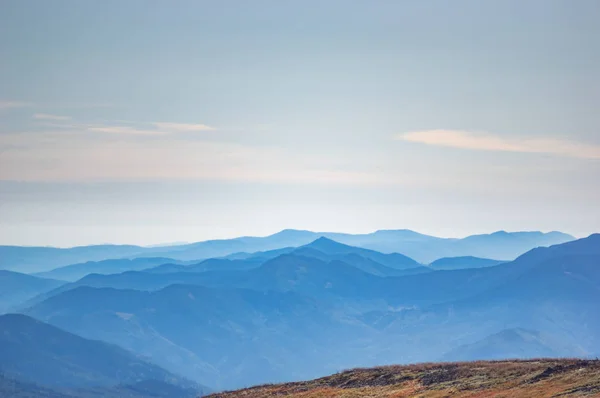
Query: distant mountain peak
{"points": [[290, 231], [326, 243], [323, 239], [397, 231]]}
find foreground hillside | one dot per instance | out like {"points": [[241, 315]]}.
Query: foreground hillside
{"points": [[533, 378]]}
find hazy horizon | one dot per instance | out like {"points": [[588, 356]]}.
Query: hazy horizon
{"points": [[225, 237], [130, 122]]}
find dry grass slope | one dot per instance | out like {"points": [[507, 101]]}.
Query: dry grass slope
{"points": [[512, 378]]}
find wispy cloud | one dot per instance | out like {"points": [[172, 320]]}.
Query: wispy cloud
{"points": [[126, 130], [491, 142], [157, 128], [58, 156], [46, 116], [183, 127], [13, 104]]}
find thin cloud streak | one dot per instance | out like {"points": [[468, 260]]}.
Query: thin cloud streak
{"points": [[161, 129], [126, 130], [490, 142], [56, 159], [46, 116], [183, 127], [13, 104]]}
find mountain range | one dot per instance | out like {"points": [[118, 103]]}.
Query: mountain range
{"points": [[74, 272], [423, 248], [220, 337], [295, 312], [274, 316]]}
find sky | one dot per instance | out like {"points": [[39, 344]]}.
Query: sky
{"points": [[146, 121]]}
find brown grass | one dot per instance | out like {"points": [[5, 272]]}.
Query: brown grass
{"points": [[537, 378]]}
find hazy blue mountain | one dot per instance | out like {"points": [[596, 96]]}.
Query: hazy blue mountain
{"points": [[164, 244], [331, 247], [40, 259], [145, 389], [329, 267], [317, 277], [16, 288], [12, 388], [290, 272], [449, 263], [77, 271], [260, 255], [221, 337], [251, 244], [308, 275], [212, 264], [498, 245], [552, 290], [326, 249], [589, 245], [507, 344], [33, 351], [422, 248], [298, 316], [363, 263], [313, 277], [384, 237], [568, 272], [320, 278], [168, 268], [507, 245], [567, 264]]}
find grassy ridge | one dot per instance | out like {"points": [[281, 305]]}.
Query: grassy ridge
{"points": [[510, 378]]}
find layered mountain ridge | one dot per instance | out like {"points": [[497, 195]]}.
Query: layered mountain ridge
{"points": [[304, 312]]}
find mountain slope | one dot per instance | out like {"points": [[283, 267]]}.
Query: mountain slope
{"points": [[331, 247], [507, 344], [33, 351], [525, 379], [220, 337], [504, 245], [40, 259], [16, 288], [449, 263], [113, 266], [555, 290], [147, 389], [19, 389], [328, 250], [212, 264]]}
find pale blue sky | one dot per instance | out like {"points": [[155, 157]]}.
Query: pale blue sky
{"points": [[157, 121]]}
